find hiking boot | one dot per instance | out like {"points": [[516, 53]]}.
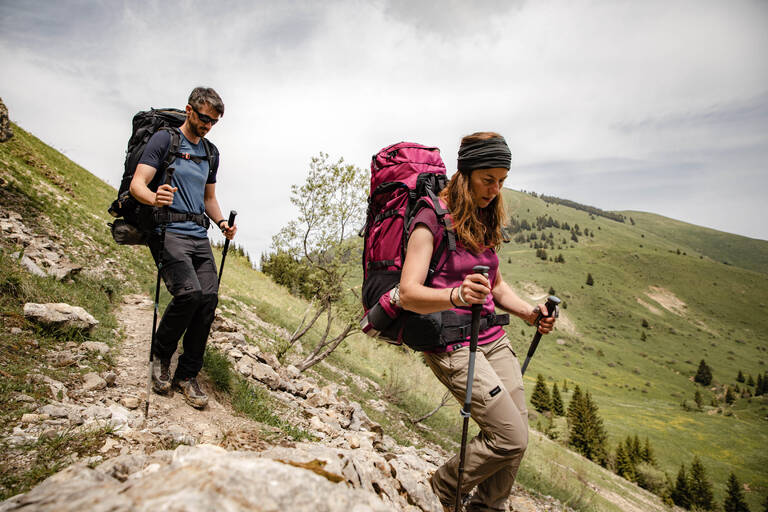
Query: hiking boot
{"points": [[161, 376], [193, 395]]}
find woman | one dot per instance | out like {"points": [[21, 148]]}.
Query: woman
{"points": [[473, 198]]}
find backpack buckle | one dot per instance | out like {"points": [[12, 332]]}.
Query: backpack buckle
{"points": [[186, 156]]}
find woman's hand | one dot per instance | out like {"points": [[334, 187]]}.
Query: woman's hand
{"points": [[546, 323], [474, 290]]}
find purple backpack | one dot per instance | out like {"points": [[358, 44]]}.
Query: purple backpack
{"points": [[405, 177]]}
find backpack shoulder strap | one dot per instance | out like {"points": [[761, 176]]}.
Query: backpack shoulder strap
{"points": [[448, 242], [212, 152]]}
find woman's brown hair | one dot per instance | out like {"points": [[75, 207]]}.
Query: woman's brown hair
{"points": [[477, 228]]}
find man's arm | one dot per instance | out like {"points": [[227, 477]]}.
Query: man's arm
{"points": [[140, 189], [213, 210]]}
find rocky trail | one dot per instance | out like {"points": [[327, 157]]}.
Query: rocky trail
{"points": [[181, 458]]}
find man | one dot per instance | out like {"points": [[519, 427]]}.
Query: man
{"points": [[188, 267]]}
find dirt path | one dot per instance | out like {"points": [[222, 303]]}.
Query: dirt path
{"points": [[170, 414]]}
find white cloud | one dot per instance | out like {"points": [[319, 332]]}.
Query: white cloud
{"points": [[595, 98]]}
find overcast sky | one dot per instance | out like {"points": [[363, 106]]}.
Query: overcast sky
{"points": [[656, 106]]}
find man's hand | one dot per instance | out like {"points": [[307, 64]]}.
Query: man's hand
{"points": [[227, 230], [164, 195]]}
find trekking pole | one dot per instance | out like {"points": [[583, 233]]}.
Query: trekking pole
{"points": [[230, 222], [476, 310], [551, 305], [168, 178]]}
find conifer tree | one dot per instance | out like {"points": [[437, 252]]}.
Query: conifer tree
{"points": [[575, 403], [750, 381], [681, 492], [740, 377], [637, 451], [590, 281], [623, 464], [557, 401], [540, 399], [697, 398], [701, 487], [587, 433], [647, 455], [704, 374], [734, 497], [729, 396]]}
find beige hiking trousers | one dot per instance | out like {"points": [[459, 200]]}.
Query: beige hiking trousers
{"points": [[498, 407]]}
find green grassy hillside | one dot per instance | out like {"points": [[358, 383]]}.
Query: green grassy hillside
{"points": [[669, 274], [696, 307]]}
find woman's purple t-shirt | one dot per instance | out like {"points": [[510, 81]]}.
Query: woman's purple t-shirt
{"points": [[452, 269]]}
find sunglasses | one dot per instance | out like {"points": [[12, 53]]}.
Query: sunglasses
{"points": [[204, 118]]}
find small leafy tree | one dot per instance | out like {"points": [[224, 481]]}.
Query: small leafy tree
{"points": [[698, 399], [734, 496], [703, 374], [331, 203]]}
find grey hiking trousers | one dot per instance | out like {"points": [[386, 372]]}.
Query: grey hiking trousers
{"points": [[498, 407], [189, 273]]}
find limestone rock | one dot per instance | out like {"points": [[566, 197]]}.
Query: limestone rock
{"points": [[29, 264], [62, 358], [110, 378], [54, 411], [60, 315], [265, 374], [95, 346], [6, 132], [130, 402], [93, 381]]}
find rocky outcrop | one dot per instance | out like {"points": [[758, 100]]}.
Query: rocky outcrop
{"points": [[6, 132], [197, 479]]}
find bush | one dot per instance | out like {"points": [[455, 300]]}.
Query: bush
{"points": [[650, 478]]}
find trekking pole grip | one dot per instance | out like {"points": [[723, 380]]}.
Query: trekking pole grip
{"points": [[232, 214], [551, 306]]}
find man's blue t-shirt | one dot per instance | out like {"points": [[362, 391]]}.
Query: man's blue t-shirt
{"points": [[189, 177]]}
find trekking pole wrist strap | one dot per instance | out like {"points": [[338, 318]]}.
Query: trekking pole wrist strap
{"points": [[218, 223]]}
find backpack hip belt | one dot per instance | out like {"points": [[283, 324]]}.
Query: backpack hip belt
{"points": [[457, 328], [165, 216]]}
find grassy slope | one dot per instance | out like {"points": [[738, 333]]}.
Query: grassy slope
{"points": [[639, 385], [606, 341], [740, 251]]}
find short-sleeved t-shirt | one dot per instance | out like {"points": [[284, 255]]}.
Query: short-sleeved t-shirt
{"points": [[457, 265], [189, 177]]}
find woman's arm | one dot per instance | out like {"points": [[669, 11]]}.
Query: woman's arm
{"points": [[416, 297], [506, 299]]}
